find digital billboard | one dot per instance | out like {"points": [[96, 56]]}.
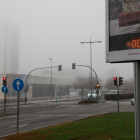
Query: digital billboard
{"points": [[122, 30]]}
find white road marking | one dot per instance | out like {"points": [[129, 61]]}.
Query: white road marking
{"points": [[14, 107], [104, 106], [15, 126], [25, 119]]}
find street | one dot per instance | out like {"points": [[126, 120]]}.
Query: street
{"points": [[38, 115]]}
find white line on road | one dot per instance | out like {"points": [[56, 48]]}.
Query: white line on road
{"points": [[25, 120], [104, 106], [15, 126], [50, 125]]}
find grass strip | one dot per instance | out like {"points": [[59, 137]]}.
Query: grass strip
{"points": [[114, 126]]}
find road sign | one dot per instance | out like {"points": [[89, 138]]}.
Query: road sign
{"points": [[4, 89], [18, 84]]}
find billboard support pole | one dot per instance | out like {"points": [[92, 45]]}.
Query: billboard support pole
{"points": [[137, 98]]}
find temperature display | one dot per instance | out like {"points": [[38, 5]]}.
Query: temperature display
{"points": [[134, 44]]}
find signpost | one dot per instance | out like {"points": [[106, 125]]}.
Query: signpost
{"points": [[4, 89], [18, 85]]}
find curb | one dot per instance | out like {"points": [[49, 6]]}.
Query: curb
{"points": [[7, 114]]}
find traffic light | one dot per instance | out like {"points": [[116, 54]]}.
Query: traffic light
{"points": [[4, 81], [60, 68], [73, 65], [120, 81], [115, 81], [98, 86]]}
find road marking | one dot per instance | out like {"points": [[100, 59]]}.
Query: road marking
{"points": [[14, 107], [49, 125], [104, 106], [25, 119], [15, 126], [24, 113]]}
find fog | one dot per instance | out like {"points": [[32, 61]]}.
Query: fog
{"points": [[32, 31]]}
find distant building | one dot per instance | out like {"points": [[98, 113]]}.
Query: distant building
{"points": [[9, 46]]}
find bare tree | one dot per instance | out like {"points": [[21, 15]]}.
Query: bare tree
{"points": [[109, 84], [81, 83]]}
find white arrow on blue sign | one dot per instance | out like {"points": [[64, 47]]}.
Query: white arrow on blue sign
{"points": [[4, 89], [18, 84]]}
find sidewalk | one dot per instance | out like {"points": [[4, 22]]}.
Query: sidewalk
{"points": [[39, 101]]}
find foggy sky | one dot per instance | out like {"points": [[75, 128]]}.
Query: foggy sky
{"points": [[55, 28]]}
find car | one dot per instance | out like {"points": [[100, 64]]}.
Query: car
{"points": [[94, 95], [115, 92], [132, 101]]}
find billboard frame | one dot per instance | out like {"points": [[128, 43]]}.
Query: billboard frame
{"points": [[120, 56]]}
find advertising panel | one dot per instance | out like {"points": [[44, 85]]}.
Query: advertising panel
{"points": [[122, 30]]}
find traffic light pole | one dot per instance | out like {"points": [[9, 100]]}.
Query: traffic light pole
{"points": [[95, 75], [97, 93], [59, 68], [118, 97]]}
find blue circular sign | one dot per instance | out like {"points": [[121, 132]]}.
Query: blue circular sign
{"points": [[18, 84], [4, 89]]}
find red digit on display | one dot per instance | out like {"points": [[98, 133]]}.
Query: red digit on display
{"points": [[134, 43], [138, 43]]}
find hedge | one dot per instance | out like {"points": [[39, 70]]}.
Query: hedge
{"points": [[87, 101], [121, 96]]}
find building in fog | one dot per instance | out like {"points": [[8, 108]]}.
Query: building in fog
{"points": [[9, 46]]}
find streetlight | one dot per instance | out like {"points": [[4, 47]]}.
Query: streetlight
{"points": [[51, 77], [91, 57]]}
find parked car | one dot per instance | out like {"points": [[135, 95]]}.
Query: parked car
{"points": [[132, 101], [115, 92], [94, 95]]}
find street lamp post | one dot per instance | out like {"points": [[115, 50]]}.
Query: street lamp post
{"points": [[91, 58], [51, 77]]}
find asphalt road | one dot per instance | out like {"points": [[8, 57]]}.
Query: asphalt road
{"points": [[38, 115]]}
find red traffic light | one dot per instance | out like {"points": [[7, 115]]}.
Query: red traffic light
{"points": [[4, 78], [115, 78]]}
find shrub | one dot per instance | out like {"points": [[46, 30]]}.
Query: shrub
{"points": [[87, 101], [121, 96]]}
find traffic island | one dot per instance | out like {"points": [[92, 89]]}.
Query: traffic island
{"points": [[87, 102], [6, 114]]}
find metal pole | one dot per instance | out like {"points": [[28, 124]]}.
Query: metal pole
{"points": [[30, 73], [4, 103], [137, 99], [97, 93], [118, 98], [51, 79], [91, 65], [18, 112]]}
